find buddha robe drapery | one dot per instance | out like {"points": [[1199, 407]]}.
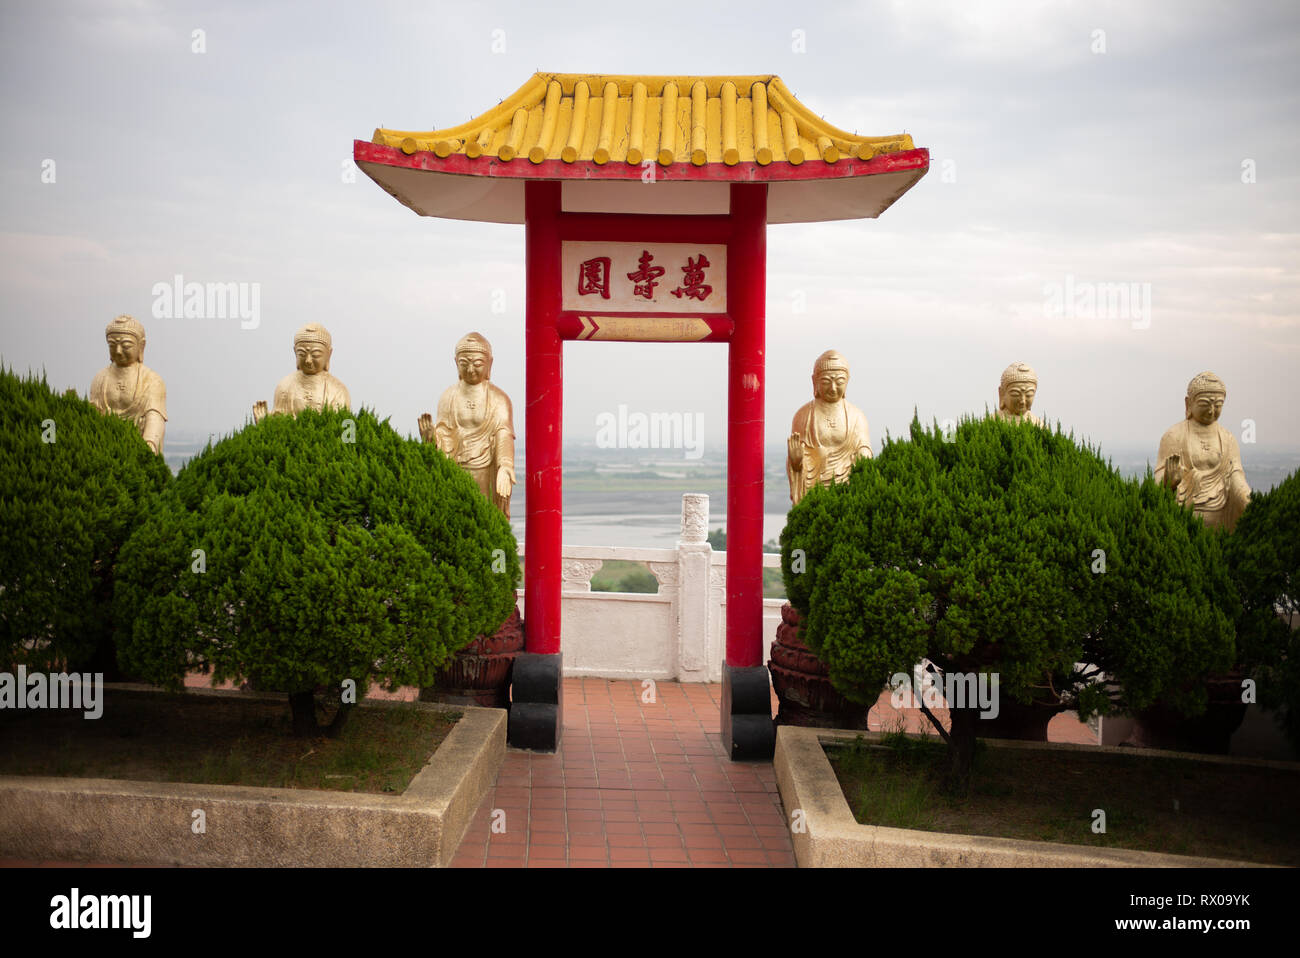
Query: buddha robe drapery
{"points": [[298, 391], [133, 394], [480, 448], [826, 459], [1213, 483]]}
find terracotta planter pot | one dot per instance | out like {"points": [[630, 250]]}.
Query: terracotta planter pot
{"points": [[803, 684], [1160, 727], [480, 673]]}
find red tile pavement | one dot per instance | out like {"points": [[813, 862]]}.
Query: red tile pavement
{"points": [[641, 779]]}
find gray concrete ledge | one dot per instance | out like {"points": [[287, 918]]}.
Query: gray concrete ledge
{"points": [[106, 820], [831, 837]]}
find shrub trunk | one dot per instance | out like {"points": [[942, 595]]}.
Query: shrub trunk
{"points": [[303, 707], [961, 748]]}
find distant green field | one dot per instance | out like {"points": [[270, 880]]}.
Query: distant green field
{"points": [[621, 575]]}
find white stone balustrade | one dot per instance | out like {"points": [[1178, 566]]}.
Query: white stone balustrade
{"points": [[678, 633]]}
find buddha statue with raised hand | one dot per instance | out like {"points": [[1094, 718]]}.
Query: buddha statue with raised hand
{"points": [[312, 386], [1200, 460], [475, 424], [827, 435]]}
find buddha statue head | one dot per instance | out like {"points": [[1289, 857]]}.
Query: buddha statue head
{"points": [[474, 359], [1016, 390], [312, 347], [125, 338], [1205, 395], [830, 376]]}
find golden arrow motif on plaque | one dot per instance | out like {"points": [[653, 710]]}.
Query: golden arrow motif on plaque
{"points": [[645, 329]]}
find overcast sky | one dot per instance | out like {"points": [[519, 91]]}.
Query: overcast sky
{"points": [[1152, 144]]}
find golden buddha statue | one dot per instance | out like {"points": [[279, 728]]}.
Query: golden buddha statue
{"points": [[127, 386], [311, 386], [1201, 461], [1016, 392], [828, 434], [476, 423]]}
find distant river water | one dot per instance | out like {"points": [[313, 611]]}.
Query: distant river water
{"points": [[638, 530], [628, 513]]}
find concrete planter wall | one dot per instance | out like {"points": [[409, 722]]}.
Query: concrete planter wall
{"points": [[109, 820], [828, 836]]}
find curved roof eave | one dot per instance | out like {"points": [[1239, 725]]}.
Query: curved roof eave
{"points": [[494, 191]]}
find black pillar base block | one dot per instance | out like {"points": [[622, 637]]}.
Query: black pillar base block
{"points": [[537, 702], [534, 725], [748, 731], [536, 678], [752, 737]]}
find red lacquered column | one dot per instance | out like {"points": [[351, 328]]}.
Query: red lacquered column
{"points": [[746, 300], [543, 419]]}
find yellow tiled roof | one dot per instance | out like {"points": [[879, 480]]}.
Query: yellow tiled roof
{"points": [[626, 119]]}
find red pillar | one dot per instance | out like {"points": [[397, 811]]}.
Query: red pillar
{"points": [[543, 419], [746, 300]]}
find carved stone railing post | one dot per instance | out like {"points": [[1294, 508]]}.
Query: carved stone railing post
{"points": [[694, 558], [578, 572]]}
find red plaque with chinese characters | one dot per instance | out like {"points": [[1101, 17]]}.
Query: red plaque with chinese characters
{"points": [[645, 277], [644, 292]]}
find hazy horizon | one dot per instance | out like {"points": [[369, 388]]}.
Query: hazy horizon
{"points": [[1077, 152]]}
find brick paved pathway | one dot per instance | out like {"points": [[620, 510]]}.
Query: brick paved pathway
{"points": [[633, 784]]}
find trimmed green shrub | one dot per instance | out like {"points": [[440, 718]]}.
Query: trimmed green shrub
{"points": [[1264, 553], [300, 553], [1009, 550], [74, 484]]}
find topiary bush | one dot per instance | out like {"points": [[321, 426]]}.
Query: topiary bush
{"points": [[1264, 554], [1009, 550], [300, 553], [74, 484]]}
